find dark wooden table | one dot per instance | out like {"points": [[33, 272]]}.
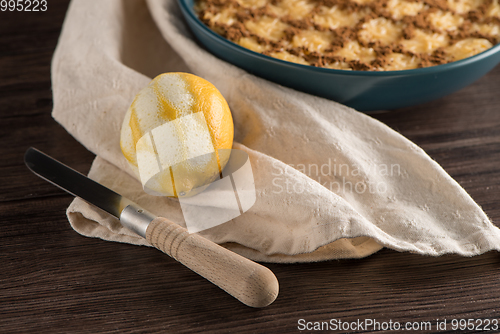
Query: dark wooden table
{"points": [[53, 280]]}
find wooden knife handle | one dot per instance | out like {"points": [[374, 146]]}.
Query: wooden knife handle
{"points": [[247, 281]]}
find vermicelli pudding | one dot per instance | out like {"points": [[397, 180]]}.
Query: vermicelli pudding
{"points": [[361, 35]]}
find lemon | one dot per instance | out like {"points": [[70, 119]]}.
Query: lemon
{"points": [[177, 134]]}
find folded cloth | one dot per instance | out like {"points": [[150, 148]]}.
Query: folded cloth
{"points": [[331, 182]]}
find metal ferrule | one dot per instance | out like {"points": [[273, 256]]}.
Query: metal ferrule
{"points": [[136, 219]]}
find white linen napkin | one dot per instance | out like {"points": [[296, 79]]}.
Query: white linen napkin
{"points": [[331, 182]]}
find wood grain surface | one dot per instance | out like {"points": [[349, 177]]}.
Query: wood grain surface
{"points": [[53, 280]]}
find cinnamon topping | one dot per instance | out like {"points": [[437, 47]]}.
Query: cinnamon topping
{"points": [[361, 35]]}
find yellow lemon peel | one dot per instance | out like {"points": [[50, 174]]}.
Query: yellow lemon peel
{"points": [[175, 118]]}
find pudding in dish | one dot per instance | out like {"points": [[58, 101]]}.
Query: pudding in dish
{"points": [[361, 35]]}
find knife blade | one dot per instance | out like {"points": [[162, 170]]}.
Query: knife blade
{"points": [[249, 282]]}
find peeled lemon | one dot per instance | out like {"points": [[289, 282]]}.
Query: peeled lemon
{"points": [[177, 134]]}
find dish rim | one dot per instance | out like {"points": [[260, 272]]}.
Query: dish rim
{"points": [[416, 71]]}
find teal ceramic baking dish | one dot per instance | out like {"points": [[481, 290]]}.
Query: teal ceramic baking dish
{"points": [[364, 91]]}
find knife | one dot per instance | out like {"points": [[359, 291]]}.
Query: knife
{"points": [[249, 282]]}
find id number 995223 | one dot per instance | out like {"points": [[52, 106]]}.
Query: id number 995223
{"points": [[23, 5]]}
